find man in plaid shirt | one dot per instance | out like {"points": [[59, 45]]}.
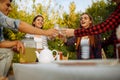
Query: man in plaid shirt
{"points": [[109, 24]]}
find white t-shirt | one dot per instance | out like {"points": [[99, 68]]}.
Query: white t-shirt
{"points": [[85, 48]]}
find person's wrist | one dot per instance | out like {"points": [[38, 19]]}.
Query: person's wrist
{"points": [[73, 32], [16, 42], [45, 32]]}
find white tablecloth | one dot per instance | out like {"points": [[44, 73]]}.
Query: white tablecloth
{"points": [[64, 71]]}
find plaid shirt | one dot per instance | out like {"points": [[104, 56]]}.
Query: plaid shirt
{"points": [[111, 23]]}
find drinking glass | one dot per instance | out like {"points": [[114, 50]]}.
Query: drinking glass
{"points": [[56, 26], [62, 34], [62, 31]]}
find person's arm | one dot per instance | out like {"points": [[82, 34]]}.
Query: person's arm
{"points": [[9, 44], [23, 26], [26, 28]]}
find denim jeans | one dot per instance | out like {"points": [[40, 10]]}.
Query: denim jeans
{"points": [[6, 56]]}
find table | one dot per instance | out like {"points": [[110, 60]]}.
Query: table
{"points": [[68, 70]]}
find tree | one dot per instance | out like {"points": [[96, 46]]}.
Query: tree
{"points": [[72, 19]]}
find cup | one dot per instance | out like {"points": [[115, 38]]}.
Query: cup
{"points": [[62, 34], [56, 26], [60, 55]]}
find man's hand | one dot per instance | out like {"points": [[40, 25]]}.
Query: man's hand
{"points": [[17, 45], [51, 32], [20, 47]]}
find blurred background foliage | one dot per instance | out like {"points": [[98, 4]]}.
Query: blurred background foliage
{"points": [[99, 10]]}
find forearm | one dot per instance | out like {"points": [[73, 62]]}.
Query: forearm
{"points": [[26, 28], [7, 44]]}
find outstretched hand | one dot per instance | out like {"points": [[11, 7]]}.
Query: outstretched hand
{"points": [[65, 32], [51, 32]]}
